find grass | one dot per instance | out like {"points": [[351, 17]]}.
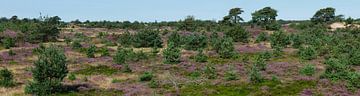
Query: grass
{"points": [[97, 70], [248, 89], [93, 93]]}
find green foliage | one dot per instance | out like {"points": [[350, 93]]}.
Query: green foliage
{"points": [[255, 75], [260, 63], [125, 39], [46, 30], [188, 24], [307, 53], [233, 17], [336, 69], [195, 42], [153, 84], [308, 70], [97, 70], [8, 42], [296, 41], [171, 54], [147, 76], [104, 51], [266, 18], [67, 40], [279, 39], [354, 57], [6, 78], [90, 52], [325, 15], [226, 49], [238, 34], [261, 37], [11, 52], [147, 38], [76, 44], [353, 80], [201, 57], [72, 77], [230, 75], [265, 55], [50, 69], [215, 41], [176, 38], [277, 52], [120, 56], [210, 71], [127, 68]]}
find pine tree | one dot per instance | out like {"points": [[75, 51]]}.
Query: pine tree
{"points": [[6, 78], [90, 52], [226, 49], [171, 54], [49, 71]]}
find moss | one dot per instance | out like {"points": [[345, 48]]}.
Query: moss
{"points": [[96, 70], [246, 89]]}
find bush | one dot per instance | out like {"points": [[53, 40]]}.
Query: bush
{"points": [[11, 52], [296, 41], [76, 44], [265, 55], [50, 69], [260, 63], [354, 57], [307, 53], [104, 51], [238, 34], [279, 39], [336, 69], [6, 78], [147, 38], [277, 52], [226, 49], [210, 71], [90, 52], [147, 76], [215, 41], [120, 56], [171, 54], [230, 75], [201, 57], [196, 42], [153, 84], [255, 75], [8, 42], [72, 77], [176, 38], [261, 37], [308, 70], [125, 39]]}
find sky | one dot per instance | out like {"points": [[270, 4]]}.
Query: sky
{"points": [[169, 10]]}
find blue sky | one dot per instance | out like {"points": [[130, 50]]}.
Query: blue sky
{"points": [[168, 10]]}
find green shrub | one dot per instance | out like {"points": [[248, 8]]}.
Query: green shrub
{"points": [[255, 75], [90, 52], [238, 34], [120, 56], [296, 41], [72, 77], [147, 76], [277, 52], [354, 57], [230, 75], [308, 70], [353, 80], [50, 69], [127, 68], [147, 38], [171, 54], [11, 52], [195, 42], [210, 71], [153, 84], [307, 53], [104, 51], [215, 41], [6, 78], [125, 39], [336, 69], [265, 55], [67, 40], [201, 57], [176, 38], [226, 49], [261, 37], [8, 42], [76, 44], [279, 39], [260, 63]]}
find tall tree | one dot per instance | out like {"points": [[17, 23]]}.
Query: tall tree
{"points": [[324, 15], [264, 17], [233, 17]]}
